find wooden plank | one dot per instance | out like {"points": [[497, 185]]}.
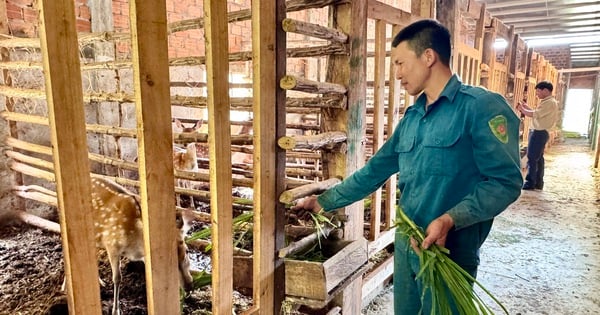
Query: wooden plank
{"points": [[386, 238], [217, 71], [269, 161], [316, 280], [3, 18], [148, 20], [392, 121], [373, 280], [448, 14], [64, 93], [280, 155], [351, 18], [423, 8], [380, 11], [488, 55], [378, 118]]}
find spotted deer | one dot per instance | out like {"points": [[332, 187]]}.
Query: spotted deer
{"points": [[185, 160], [118, 228]]}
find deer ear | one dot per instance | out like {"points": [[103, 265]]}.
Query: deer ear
{"points": [[198, 125], [178, 123]]}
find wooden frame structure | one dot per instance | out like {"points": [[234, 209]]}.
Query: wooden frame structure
{"points": [[340, 102]]}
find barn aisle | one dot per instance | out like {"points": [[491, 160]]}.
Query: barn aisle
{"points": [[543, 253]]}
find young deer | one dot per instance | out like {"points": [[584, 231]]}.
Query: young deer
{"points": [[118, 227], [185, 160]]}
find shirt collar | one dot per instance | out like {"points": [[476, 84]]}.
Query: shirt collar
{"points": [[449, 92]]}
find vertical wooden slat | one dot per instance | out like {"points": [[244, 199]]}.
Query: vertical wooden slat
{"points": [[448, 13], [512, 69], [378, 116], [151, 81], [268, 234], [479, 34], [351, 71], [488, 56], [217, 72], [392, 120], [280, 131], [69, 148]]}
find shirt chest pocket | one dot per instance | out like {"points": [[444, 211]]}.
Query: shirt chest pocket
{"points": [[405, 148], [442, 154]]}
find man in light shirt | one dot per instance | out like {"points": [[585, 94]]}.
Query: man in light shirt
{"points": [[544, 117]]}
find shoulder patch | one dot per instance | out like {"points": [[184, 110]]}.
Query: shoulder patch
{"points": [[498, 126]]}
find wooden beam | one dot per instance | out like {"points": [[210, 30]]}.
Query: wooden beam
{"points": [[392, 120], [392, 15], [350, 71], [448, 14], [264, 21], [572, 70], [378, 118], [217, 69], [148, 20], [280, 155], [423, 8], [488, 56], [60, 53], [314, 30]]}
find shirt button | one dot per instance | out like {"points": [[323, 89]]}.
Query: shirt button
{"points": [[437, 141]]}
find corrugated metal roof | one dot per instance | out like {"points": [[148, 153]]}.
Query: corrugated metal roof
{"points": [[576, 21]]}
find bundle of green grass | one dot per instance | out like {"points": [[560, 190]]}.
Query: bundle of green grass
{"points": [[447, 282]]}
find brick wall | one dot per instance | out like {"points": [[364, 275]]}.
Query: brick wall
{"points": [[23, 17], [558, 56], [23, 22]]}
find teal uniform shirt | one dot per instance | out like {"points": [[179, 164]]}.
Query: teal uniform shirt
{"points": [[459, 156]]}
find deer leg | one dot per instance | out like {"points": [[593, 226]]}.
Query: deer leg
{"points": [[115, 265], [184, 266]]}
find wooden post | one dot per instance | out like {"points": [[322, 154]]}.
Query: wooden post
{"points": [[148, 20], [488, 56], [512, 68], [350, 71], [424, 8], [447, 12], [62, 74], [479, 35], [378, 118], [268, 167], [217, 72], [392, 121]]}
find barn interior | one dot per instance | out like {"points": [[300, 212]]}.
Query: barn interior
{"points": [[259, 104]]}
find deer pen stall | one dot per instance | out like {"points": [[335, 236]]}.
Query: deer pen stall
{"points": [[252, 123], [139, 106]]}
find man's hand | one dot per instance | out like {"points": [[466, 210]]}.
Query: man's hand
{"points": [[437, 231], [307, 203]]}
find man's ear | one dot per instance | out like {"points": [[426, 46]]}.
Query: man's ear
{"points": [[429, 56]]}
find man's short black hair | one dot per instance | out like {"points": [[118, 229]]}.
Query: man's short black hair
{"points": [[425, 34], [544, 85]]}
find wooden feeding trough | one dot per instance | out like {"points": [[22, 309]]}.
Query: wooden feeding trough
{"points": [[321, 280]]}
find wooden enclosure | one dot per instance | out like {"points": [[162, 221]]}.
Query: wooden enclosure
{"points": [[307, 128]]}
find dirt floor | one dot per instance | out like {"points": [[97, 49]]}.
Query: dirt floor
{"points": [[543, 254], [542, 257]]}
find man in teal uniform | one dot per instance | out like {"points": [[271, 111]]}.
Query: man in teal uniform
{"points": [[456, 151]]}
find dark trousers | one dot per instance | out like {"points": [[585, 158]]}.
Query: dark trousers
{"points": [[535, 158]]}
